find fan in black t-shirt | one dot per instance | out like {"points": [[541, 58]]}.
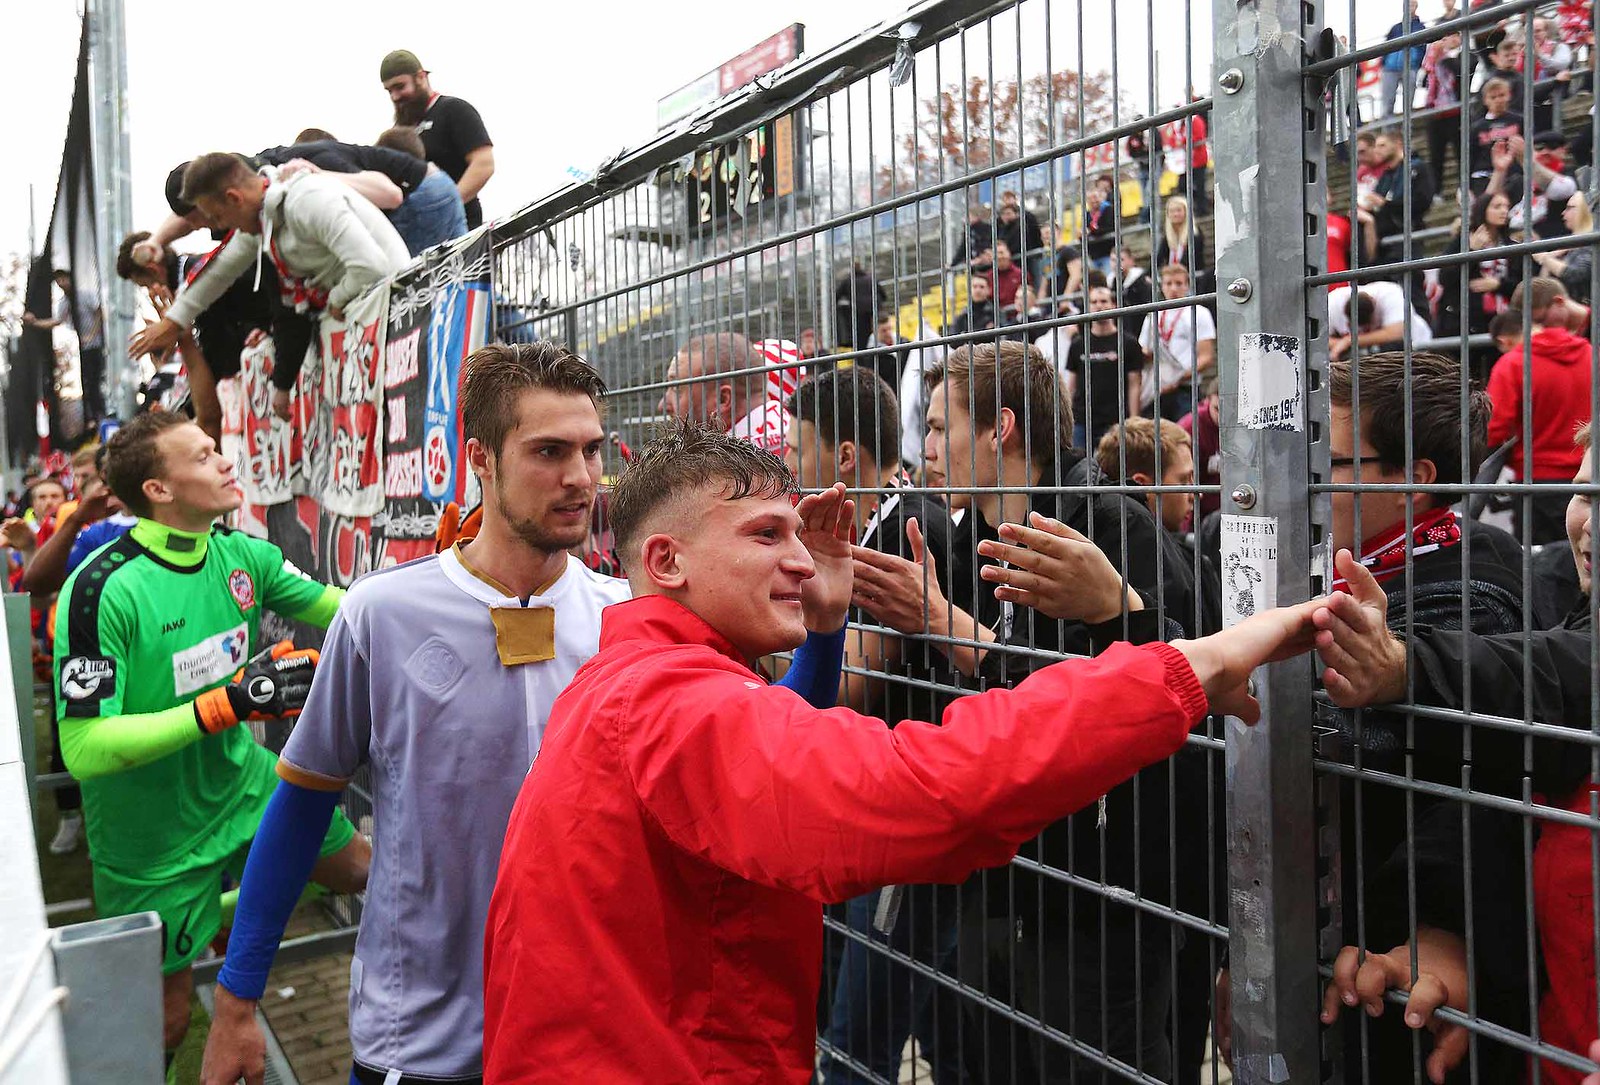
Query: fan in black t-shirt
{"points": [[452, 131], [1099, 363]]}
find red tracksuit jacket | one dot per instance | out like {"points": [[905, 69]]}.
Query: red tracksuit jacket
{"points": [[657, 916]]}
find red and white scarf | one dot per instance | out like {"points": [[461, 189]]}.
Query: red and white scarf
{"points": [[1385, 554]]}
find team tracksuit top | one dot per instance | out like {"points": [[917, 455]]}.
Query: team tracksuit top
{"points": [[657, 914]]}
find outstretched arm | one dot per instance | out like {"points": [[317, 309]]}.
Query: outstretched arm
{"points": [[844, 804], [281, 857]]}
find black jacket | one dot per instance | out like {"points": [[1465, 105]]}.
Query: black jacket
{"points": [[976, 239], [1022, 235], [1200, 258], [1132, 849], [1140, 292], [1449, 320], [1493, 597], [980, 316], [1447, 664]]}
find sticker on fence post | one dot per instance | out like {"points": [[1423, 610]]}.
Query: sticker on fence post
{"points": [[1249, 566], [1269, 382]]}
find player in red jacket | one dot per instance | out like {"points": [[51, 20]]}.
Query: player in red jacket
{"points": [[658, 911]]}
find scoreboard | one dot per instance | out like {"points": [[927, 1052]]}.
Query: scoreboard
{"points": [[741, 178]]}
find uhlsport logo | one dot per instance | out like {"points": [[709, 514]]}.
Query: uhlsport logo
{"points": [[243, 589]]}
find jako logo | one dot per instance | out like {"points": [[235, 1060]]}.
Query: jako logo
{"points": [[174, 625]]}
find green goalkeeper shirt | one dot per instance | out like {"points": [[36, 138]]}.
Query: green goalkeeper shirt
{"points": [[148, 623]]}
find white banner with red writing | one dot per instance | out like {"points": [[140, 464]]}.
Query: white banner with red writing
{"points": [[352, 404], [265, 466]]}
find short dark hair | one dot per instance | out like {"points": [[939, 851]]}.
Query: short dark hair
{"points": [[315, 135], [852, 405], [402, 137], [688, 455], [1506, 322], [495, 373], [1436, 421], [127, 268], [133, 457], [1016, 377], [1137, 439], [213, 174], [1363, 311]]}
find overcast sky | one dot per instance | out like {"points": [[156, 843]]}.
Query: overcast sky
{"points": [[559, 85]]}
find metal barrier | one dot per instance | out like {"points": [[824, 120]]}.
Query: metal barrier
{"points": [[786, 209], [863, 181]]}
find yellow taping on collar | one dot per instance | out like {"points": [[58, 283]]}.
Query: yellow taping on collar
{"points": [[524, 634]]}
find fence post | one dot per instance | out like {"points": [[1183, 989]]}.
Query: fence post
{"points": [[1265, 134]]}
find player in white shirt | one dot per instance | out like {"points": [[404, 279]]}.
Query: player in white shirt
{"points": [[439, 675], [1178, 343], [1382, 314]]}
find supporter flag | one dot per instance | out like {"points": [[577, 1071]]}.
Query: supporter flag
{"points": [[781, 383], [352, 357]]}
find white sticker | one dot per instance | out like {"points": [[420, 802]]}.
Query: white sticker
{"points": [[1232, 224], [218, 656], [1249, 566], [1269, 382]]}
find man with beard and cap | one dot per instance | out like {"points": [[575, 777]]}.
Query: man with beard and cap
{"points": [[441, 674], [451, 129]]}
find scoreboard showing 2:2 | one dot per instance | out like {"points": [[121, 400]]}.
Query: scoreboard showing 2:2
{"points": [[738, 177]]}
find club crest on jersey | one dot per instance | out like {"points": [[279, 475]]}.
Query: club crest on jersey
{"points": [[243, 589], [87, 677]]}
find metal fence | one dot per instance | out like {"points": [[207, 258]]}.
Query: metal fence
{"points": [[842, 190]]}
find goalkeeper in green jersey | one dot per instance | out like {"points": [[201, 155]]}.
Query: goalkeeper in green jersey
{"points": [[157, 661]]}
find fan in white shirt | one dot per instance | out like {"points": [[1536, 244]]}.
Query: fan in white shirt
{"points": [[1382, 314]]}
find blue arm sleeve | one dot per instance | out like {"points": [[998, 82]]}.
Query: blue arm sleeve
{"points": [[281, 858], [814, 674]]}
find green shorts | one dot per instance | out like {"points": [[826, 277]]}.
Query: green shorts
{"points": [[190, 904]]}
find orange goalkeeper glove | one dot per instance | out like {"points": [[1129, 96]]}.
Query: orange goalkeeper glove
{"points": [[274, 683]]}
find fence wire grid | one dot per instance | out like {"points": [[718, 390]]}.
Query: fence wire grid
{"points": [[1173, 211]]}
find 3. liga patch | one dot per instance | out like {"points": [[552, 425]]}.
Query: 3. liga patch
{"points": [[243, 589], [86, 678]]}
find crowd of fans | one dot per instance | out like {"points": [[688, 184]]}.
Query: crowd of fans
{"points": [[1037, 477], [296, 232]]}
